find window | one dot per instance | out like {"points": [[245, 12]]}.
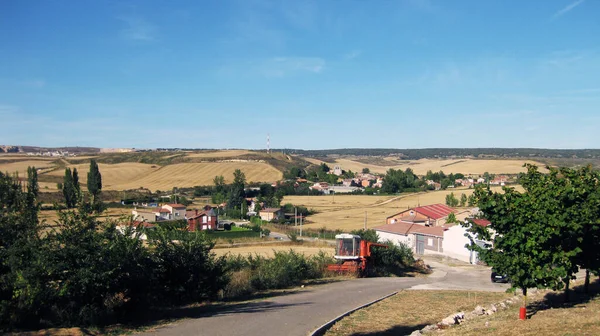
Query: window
{"points": [[204, 219], [430, 241], [177, 214]]}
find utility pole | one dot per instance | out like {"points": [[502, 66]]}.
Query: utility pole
{"points": [[295, 216], [300, 225]]}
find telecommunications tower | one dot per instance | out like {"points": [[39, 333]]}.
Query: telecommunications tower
{"points": [[268, 143]]}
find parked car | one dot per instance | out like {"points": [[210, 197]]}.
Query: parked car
{"points": [[498, 277]]}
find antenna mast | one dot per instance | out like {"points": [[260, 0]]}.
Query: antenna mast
{"points": [[268, 143]]}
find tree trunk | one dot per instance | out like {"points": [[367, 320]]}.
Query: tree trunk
{"points": [[586, 285], [567, 292]]}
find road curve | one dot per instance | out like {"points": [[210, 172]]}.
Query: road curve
{"points": [[299, 313]]}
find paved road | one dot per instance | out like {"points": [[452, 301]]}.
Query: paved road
{"points": [[299, 313]]}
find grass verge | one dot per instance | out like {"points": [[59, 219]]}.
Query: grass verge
{"points": [[548, 314], [410, 310]]}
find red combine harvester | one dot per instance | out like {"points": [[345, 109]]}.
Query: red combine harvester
{"points": [[353, 254]]}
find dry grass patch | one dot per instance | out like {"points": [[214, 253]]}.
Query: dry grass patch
{"points": [[269, 251], [410, 310]]}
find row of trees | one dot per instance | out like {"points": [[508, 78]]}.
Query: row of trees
{"points": [[464, 200], [71, 188], [542, 236], [83, 271]]}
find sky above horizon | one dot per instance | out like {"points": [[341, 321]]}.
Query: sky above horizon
{"points": [[312, 74]]}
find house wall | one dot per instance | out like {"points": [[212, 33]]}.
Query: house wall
{"points": [[269, 216], [176, 213], [434, 244], [149, 217], [396, 238]]}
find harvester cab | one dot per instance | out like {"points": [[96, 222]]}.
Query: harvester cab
{"points": [[353, 254]]}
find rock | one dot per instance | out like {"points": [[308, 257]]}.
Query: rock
{"points": [[448, 321], [479, 310], [487, 324], [430, 327], [502, 305], [493, 308], [416, 333]]}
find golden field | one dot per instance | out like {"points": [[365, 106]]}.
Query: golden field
{"points": [[195, 174], [20, 167], [113, 175], [347, 212], [420, 167], [131, 175], [220, 153], [269, 251]]}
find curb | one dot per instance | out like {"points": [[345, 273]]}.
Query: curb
{"points": [[322, 329]]}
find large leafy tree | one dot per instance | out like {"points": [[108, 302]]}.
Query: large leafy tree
{"points": [[541, 236]]}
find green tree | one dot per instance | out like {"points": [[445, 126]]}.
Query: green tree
{"points": [[451, 218], [366, 170], [94, 182], [451, 200], [94, 185], [536, 241], [69, 192], [236, 191], [463, 200], [76, 185]]}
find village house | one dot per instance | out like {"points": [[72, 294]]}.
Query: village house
{"points": [[428, 215], [177, 211], [202, 220], [271, 214], [420, 239], [337, 170], [499, 180]]}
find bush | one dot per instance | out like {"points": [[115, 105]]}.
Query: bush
{"points": [[393, 260], [285, 269]]}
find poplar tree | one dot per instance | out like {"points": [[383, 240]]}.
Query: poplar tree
{"points": [[94, 182], [76, 185], [69, 189]]}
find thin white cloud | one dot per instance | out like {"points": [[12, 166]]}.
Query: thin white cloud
{"points": [[567, 9], [284, 66], [138, 29], [353, 54]]}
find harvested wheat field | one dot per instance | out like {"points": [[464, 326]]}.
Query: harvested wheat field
{"points": [[219, 154], [347, 213], [269, 251], [20, 167], [420, 167], [114, 176], [196, 174]]}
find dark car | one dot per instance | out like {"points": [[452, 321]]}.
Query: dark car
{"points": [[497, 277]]}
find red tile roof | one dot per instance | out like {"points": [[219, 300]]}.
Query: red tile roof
{"points": [[481, 222], [435, 211], [176, 205], [406, 228]]}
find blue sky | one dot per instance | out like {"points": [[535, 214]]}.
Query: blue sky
{"points": [[313, 74]]}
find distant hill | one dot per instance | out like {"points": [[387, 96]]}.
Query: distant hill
{"points": [[422, 153]]}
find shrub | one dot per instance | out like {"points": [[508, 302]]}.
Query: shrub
{"points": [[393, 260]]}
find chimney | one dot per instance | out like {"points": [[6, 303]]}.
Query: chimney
{"points": [[196, 212]]}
